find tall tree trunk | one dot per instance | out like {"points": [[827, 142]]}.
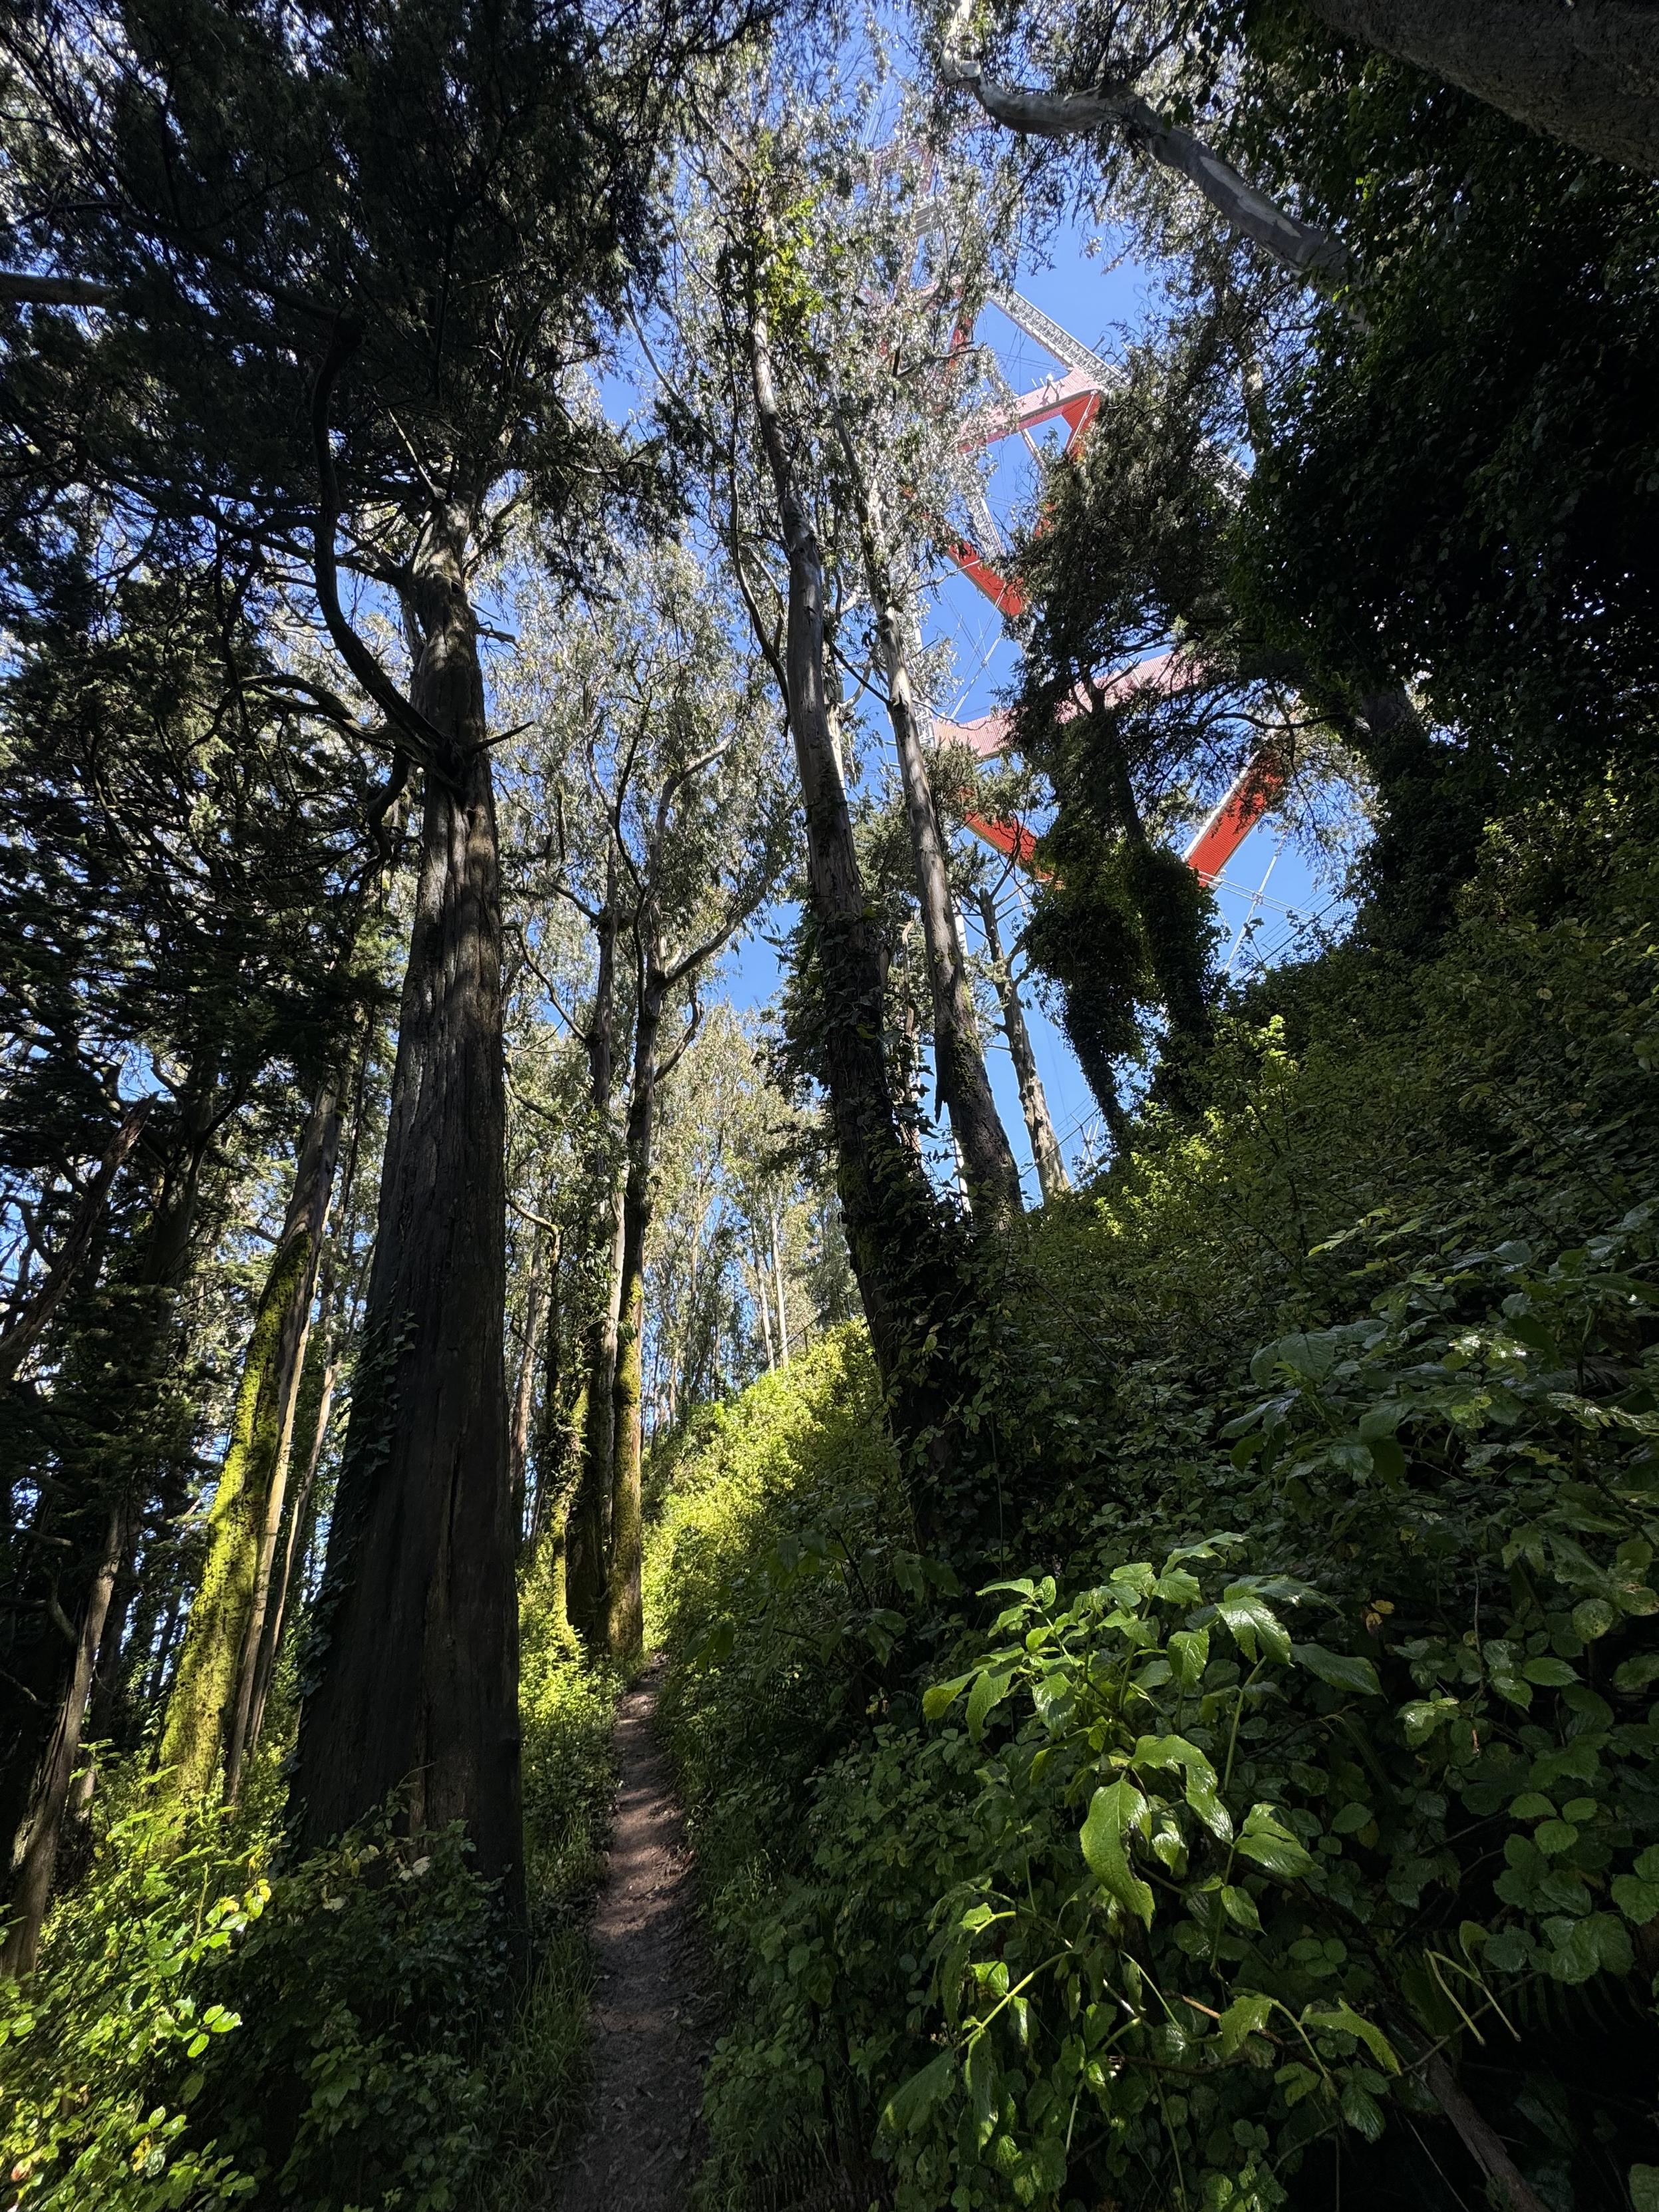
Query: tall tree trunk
{"points": [[777, 1289], [323, 1355], [1052, 1177], [1586, 72], [418, 1683], [624, 1615], [763, 1307], [297, 1532], [870, 1154], [207, 1710], [523, 1389], [557, 1465], [31, 1888], [992, 1177], [589, 1520], [899, 1249], [590, 1510]]}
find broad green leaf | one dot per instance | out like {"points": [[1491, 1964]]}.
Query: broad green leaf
{"points": [[1593, 1616], [1247, 2014], [1549, 1674], [1345, 2017], [1176, 1751], [1423, 1716], [1637, 1899], [989, 1692], [1114, 1810], [1341, 1671], [1248, 1617], [1634, 1674], [1189, 1655], [1240, 1908], [1644, 2188], [911, 2102], [1264, 1838], [938, 1699], [1362, 2112], [1177, 1587]]}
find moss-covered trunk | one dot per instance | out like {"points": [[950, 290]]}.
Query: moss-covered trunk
{"points": [[208, 1707]]}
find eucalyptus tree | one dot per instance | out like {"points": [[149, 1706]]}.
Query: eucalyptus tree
{"points": [[1129, 70], [749, 385], [670, 825], [1102, 59]]}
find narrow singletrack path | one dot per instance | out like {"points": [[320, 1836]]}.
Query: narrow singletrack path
{"points": [[650, 2004]]}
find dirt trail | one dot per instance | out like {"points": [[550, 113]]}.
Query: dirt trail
{"points": [[651, 2006]]}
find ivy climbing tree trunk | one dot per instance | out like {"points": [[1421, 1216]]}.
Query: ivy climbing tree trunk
{"points": [[291, 1553], [908, 1281], [212, 1690], [417, 1682]]}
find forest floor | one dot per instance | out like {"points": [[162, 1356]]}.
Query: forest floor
{"points": [[653, 2010]]}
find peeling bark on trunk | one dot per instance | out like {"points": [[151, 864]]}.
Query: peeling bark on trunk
{"points": [[523, 1392], [777, 1291], [988, 1161], [1587, 73], [416, 1683], [1311, 252], [1052, 1177], [207, 1711]]}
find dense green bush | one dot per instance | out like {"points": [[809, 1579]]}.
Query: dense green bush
{"points": [[209, 2027], [1234, 1852]]}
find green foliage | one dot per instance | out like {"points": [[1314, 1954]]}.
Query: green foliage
{"points": [[101, 2051], [208, 2026], [1463, 483], [1173, 1878], [566, 1703]]}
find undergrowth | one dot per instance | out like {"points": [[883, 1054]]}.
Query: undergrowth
{"points": [[1287, 1812], [212, 2025]]}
